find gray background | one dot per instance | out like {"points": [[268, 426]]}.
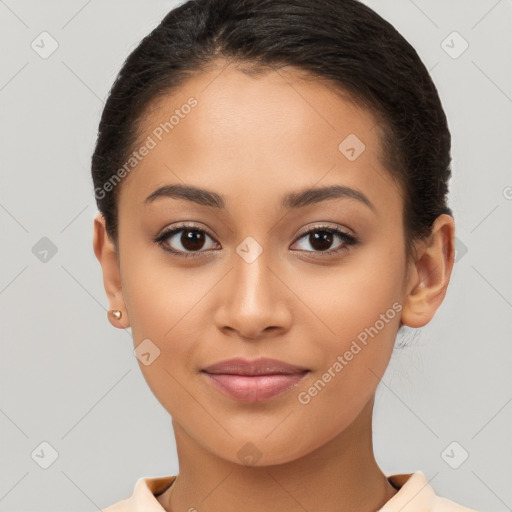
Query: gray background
{"points": [[71, 380]]}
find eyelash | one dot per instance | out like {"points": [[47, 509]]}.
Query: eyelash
{"points": [[348, 240]]}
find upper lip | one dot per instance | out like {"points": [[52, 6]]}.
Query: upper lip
{"points": [[262, 366]]}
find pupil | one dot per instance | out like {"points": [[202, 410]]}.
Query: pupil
{"points": [[320, 238], [192, 240]]}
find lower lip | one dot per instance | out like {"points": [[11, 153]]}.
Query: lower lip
{"points": [[254, 388]]}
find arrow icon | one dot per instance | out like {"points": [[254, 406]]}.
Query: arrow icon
{"points": [[44, 455], [44, 44], [249, 252], [454, 45], [44, 250], [351, 147], [146, 352]]}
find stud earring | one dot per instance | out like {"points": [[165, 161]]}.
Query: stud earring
{"points": [[116, 313]]}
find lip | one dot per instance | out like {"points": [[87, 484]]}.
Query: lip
{"points": [[254, 381], [262, 366]]}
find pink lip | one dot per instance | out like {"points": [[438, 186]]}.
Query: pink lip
{"points": [[262, 366], [254, 381], [254, 388]]}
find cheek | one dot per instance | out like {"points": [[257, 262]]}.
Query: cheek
{"points": [[348, 300], [163, 303], [158, 295], [355, 360], [160, 302], [359, 308]]}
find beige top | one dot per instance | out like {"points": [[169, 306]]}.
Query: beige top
{"points": [[415, 495]]}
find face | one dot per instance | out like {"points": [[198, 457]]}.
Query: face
{"points": [[257, 267]]}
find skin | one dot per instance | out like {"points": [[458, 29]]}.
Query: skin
{"points": [[254, 139]]}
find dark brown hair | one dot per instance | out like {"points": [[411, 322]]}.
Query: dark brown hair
{"points": [[342, 42]]}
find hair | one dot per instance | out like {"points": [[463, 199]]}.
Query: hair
{"points": [[343, 43]]}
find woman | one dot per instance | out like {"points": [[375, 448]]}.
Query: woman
{"points": [[272, 180]]}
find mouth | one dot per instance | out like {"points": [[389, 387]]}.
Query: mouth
{"points": [[254, 388], [254, 381], [261, 366]]}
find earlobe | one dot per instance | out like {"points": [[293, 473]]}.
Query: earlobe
{"points": [[106, 253], [430, 274]]}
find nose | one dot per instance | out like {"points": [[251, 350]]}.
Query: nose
{"points": [[253, 300]]}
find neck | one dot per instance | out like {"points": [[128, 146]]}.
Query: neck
{"points": [[339, 476]]}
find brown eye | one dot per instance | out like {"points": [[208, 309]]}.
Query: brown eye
{"points": [[321, 239], [192, 240], [185, 241]]}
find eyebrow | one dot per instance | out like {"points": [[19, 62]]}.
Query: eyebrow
{"points": [[292, 200]]}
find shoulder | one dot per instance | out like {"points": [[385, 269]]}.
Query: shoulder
{"points": [[120, 506], [445, 505], [415, 494], [143, 496]]}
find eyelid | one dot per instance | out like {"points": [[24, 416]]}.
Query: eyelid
{"points": [[325, 225], [186, 225], [303, 231], [347, 238], [169, 231]]}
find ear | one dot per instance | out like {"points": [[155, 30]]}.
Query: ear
{"points": [[107, 255], [430, 273]]}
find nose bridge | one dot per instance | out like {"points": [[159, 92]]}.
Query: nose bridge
{"points": [[252, 300], [252, 274]]}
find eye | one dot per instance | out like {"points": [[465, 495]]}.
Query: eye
{"points": [[321, 238], [189, 241], [185, 240]]}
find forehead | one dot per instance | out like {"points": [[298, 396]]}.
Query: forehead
{"points": [[242, 132]]}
